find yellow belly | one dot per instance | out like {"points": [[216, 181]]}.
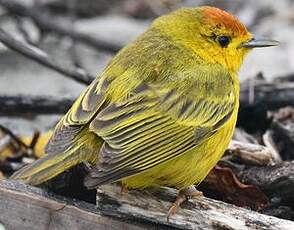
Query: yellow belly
{"points": [[189, 168]]}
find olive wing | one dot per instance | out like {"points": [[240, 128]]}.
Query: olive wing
{"points": [[80, 114], [152, 127]]}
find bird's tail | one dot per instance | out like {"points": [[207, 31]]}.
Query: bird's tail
{"points": [[53, 164]]}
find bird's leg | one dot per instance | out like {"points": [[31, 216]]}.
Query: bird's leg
{"points": [[185, 194], [124, 189]]}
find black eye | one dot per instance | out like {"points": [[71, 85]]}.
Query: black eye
{"points": [[223, 40]]}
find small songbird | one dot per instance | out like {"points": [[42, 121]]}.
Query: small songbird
{"points": [[162, 112]]}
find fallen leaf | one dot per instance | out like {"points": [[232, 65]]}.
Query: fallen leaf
{"points": [[40, 144], [224, 182], [39, 147]]}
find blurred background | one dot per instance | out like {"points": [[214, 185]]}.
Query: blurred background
{"points": [[51, 49], [84, 36]]}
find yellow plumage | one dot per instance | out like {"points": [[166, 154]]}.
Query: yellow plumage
{"points": [[162, 112]]}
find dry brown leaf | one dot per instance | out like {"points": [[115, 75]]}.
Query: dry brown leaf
{"points": [[224, 182]]}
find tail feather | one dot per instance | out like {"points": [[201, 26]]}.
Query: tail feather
{"points": [[53, 164], [47, 167]]}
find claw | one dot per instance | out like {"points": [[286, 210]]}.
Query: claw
{"points": [[186, 194], [172, 210]]}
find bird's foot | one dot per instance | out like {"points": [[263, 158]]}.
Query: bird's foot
{"points": [[189, 193]]}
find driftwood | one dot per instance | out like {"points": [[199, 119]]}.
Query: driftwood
{"points": [[277, 180], [252, 154], [273, 95], [25, 207], [279, 136], [268, 96], [283, 127], [258, 96], [21, 105]]}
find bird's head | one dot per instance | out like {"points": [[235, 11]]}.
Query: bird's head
{"points": [[213, 34]]}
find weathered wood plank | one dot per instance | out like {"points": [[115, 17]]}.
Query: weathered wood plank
{"points": [[202, 213], [26, 207]]}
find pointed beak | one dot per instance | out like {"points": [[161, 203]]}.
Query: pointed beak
{"points": [[257, 42]]}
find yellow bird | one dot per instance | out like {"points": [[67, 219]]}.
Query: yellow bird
{"points": [[162, 112]]}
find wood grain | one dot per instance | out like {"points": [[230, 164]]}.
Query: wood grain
{"points": [[26, 207]]}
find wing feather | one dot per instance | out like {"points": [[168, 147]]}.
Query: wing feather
{"points": [[151, 127], [82, 111]]}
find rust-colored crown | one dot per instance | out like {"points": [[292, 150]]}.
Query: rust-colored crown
{"points": [[219, 17]]}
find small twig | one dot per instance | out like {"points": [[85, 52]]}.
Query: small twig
{"points": [[18, 148], [285, 78], [35, 139], [43, 58], [72, 8], [48, 23], [14, 137], [31, 148], [23, 31]]}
